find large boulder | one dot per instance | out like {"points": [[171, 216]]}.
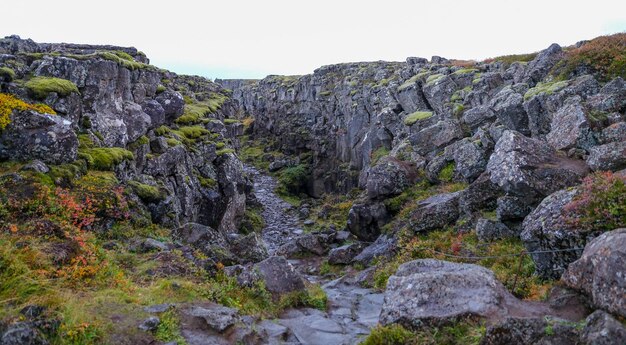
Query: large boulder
{"points": [[437, 136], [611, 98], [531, 331], [204, 238], [547, 231], [481, 194], [389, 177], [431, 293], [384, 246], [599, 273], [541, 65], [489, 230], [345, 254], [610, 156], [172, 103], [602, 329], [366, 220], [32, 135], [528, 167], [22, 333], [509, 109], [213, 316], [435, 212], [570, 128], [276, 273]]}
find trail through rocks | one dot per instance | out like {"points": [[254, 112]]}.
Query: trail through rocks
{"points": [[352, 310]]}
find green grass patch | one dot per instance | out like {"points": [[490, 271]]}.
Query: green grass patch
{"points": [[412, 118], [547, 88], [40, 87]]}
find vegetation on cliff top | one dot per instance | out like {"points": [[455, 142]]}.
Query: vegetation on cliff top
{"points": [[40, 87]]}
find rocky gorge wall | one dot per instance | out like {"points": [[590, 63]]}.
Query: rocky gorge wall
{"points": [[155, 129]]}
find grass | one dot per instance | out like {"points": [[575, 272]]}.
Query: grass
{"points": [[433, 79], [463, 332], [546, 88], [447, 173], [463, 71], [335, 210], [605, 55], [40, 87], [412, 118], [377, 154], [146, 192]]}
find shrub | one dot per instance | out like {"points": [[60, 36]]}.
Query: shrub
{"points": [[122, 59], [294, 179], [601, 204], [605, 55], [40, 87], [9, 103], [7, 74], [411, 119]]}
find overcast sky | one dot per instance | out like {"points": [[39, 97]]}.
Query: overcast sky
{"points": [[254, 38]]}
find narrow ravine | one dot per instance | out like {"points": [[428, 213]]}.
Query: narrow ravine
{"points": [[352, 310]]}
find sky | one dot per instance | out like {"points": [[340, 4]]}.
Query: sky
{"points": [[255, 38]]}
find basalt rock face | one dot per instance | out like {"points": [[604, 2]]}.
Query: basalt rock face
{"points": [[121, 101]]}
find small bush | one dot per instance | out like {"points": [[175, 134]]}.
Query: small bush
{"points": [[40, 87], [294, 179], [9, 103], [601, 205], [7, 74], [411, 119]]}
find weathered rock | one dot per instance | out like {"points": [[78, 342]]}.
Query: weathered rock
{"points": [[249, 248], [172, 103], [432, 292], [436, 136], [389, 177], [204, 238], [31, 135], [613, 133], [539, 67], [36, 166], [509, 109], [489, 230], [22, 333], [531, 331], [470, 158], [527, 167], [608, 157], [384, 246], [150, 324], [570, 128], [612, 97], [481, 194], [546, 230], [602, 329], [599, 272], [513, 207], [345, 254], [435, 212], [214, 316], [366, 220], [277, 274]]}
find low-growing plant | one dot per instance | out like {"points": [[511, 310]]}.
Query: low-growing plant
{"points": [[9, 103], [40, 87], [412, 118]]}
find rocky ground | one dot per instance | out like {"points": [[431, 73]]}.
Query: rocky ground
{"points": [[421, 202]]}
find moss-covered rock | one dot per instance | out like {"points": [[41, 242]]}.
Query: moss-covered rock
{"points": [[40, 87]]}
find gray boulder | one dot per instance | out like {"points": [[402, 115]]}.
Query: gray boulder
{"points": [[489, 230], [30, 135], [570, 128], [610, 156], [172, 103], [599, 272], [384, 246], [602, 329], [389, 177], [611, 98], [480, 195], [150, 324], [345, 254], [546, 229], [613, 133], [541, 65], [436, 136], [435, 212], [531, 331], [211, 242], [432, 293], [527, 167], [508, 107], [277, 274], [513, 207], [249, 248], [366, 220], [214, 316], [22, 333]]}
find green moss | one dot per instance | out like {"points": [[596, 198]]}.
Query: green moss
{"points": [[545, 88], [169, 328], [457, 109], [123, 60], [146, 192], [171, 142], [160, 89], [465, 71], [447, 173], [252, 221], [40, 87], [325, 93], [411, 119], [231, 121], [224, 151], [207, 182], [7, 74], [378, 154], [434, 79], [191, 132], [389, 335], [161, 131], [293, 179], [142, 140], [105, 158]]}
